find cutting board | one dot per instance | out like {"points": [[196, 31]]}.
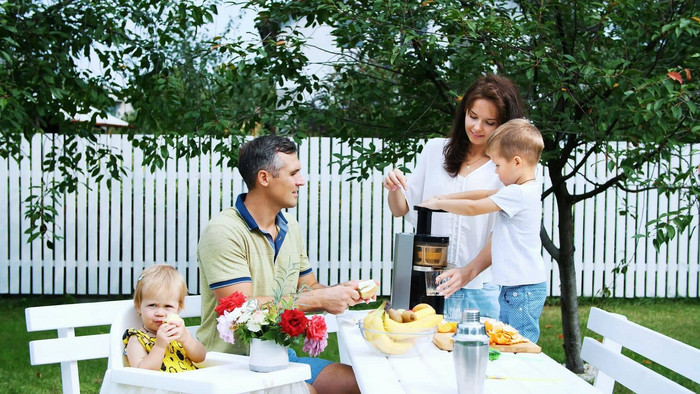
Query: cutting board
{"points": [[443, 340]]}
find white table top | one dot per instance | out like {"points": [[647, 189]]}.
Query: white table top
{"points": [[221, 373], [433, 370]]}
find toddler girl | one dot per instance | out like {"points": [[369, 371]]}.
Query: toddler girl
{"points": [[162, 342]]}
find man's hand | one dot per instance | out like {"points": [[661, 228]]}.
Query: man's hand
{"points": [[336, 299]]}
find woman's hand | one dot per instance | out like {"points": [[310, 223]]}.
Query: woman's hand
{"points": [[395, 180], [455, 279]]}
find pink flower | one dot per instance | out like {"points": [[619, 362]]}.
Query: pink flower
{"points": [[316, 329], [314, 347], [316, 336], [224, 328]]}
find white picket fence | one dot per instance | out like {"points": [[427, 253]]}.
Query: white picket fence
{"points": [[111, 234]]}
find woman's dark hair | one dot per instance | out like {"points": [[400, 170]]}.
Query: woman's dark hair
{"points": [[500, 91]]}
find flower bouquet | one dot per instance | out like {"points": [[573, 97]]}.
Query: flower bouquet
{"points": [[279, 321]]}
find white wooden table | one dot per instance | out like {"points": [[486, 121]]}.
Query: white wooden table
{"points": [[223, 373], [433, 370]]}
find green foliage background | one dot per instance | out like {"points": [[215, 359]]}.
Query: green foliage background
{"points": [[594, 74]]}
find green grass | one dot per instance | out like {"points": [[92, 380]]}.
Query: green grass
{"points": [[677, 318]]}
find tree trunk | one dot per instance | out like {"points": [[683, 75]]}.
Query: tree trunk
{"points": [[567, 276]]}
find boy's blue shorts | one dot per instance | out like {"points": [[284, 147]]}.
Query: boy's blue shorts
{"points": [[316, 364], [521, 307]]}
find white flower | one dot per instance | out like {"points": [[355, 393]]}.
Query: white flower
{"points": [[257, 320], [241, 314], [246, 310], [234, 315]]}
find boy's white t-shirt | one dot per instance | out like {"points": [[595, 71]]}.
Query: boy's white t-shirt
{"points": [[516, 248]]}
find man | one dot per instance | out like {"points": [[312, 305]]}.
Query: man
{"points": [[248, 247]]}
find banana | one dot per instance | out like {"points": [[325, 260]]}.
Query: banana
{"points": [[421, 306], [380, 340], [418, 325], [373, 321], [407, 316], [395, 315], [384, 344], [423, 312]]}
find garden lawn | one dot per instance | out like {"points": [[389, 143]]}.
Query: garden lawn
{"points": [[677, 318]]}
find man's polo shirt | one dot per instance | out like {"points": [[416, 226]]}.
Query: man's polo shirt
{"points": [[233, 249]]}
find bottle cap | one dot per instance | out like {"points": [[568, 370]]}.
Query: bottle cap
{"points": [[470, 315]]}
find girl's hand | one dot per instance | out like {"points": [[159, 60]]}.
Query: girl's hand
{"points": [[182, 332], [394, 180], [168, 332]]}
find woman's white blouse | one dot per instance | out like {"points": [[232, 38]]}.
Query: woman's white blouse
{"points": [[468, 234]]}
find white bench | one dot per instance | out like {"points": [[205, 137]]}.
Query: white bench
{"points": [[613, 366], [67, 349]]}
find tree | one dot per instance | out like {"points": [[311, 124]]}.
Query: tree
{"points": [[594, 74], [45, 80]]}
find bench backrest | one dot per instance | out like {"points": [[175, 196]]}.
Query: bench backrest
{"points": [[67, 349], [613, 366]]}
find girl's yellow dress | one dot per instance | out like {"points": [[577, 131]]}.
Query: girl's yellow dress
{"points": [[175, 359]]}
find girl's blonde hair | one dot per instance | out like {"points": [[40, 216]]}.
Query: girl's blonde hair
{"points": [[159, 278]]}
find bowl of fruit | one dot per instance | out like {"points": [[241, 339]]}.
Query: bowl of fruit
{"points": [[392, 332]]}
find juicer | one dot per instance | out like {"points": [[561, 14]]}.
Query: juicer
{"points": [[414, 255]]}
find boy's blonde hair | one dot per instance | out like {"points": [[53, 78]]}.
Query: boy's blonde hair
{"points": [[159, 278], [516, 137]]}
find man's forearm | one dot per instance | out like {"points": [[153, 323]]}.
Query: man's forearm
{"points": [[310, 300]]}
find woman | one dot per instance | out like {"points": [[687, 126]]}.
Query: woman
{"points": [[463, 165]]}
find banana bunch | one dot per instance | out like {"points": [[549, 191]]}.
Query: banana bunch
{"points": [[387, 337]]}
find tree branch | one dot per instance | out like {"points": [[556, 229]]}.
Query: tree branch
{"points": [[612, 181], [622, 176], [439, 84], [548, 244]]}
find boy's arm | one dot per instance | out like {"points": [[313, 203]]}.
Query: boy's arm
{"points": [[468, 195], [463, 207]]}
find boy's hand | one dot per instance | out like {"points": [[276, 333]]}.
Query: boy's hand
{"points": [[431, 203]]}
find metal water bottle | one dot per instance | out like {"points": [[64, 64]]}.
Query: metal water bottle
{"points": [[471, 353]]}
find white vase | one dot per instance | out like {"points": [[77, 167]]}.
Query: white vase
{"points": [[267, 356]]}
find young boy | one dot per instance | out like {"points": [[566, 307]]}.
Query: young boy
{"points": [[516, 261]]}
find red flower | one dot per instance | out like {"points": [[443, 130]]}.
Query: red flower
{"points": [[316, 329], [293, 322], [230, 303]]}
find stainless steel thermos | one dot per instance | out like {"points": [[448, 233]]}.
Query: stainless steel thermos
{"points": [[471, 353]]}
